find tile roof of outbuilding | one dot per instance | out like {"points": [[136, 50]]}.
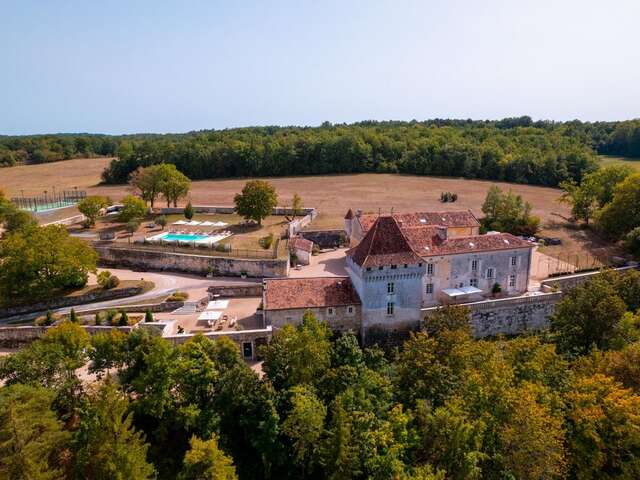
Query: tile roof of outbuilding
{"points": [[299, 243], [288, 293]]}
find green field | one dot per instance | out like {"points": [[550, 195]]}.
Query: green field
{"points": [[606, 160]]}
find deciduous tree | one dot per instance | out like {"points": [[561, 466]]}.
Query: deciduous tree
{"points": [[256, 201]]}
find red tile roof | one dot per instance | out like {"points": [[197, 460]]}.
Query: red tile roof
{"points": [[299, 243], [458, 218], [384, 244], [286, 293], [390, 242]]}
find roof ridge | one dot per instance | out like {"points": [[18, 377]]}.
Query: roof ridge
{"points": [[406, 240]]}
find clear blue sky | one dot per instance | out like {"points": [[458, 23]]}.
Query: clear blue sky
{"points": [[170, 66]]}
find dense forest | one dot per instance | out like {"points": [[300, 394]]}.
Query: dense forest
{"points": [[564, 404], [512, 149]]}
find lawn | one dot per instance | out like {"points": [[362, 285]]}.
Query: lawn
{"points": [[606, 160], [333, 195]]}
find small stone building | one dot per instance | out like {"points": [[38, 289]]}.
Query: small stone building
{"points": [[301, 248], [331, 299]]}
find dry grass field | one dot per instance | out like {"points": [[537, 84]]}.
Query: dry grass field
{"points": [[332, 195]]}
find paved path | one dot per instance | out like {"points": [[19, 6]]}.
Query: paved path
{"points": [[165, 284]]}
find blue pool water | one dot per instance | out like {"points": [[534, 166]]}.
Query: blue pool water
{"points": [[183, 237]]}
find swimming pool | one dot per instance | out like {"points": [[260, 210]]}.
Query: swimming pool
{"points": [[183, 237]]}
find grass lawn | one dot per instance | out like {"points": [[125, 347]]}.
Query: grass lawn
{"points": [[244, 236], [606, 160], [146, 286]]}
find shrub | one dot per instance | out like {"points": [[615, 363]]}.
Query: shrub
{"points": [[161, 221], [97, 319], [266, 242], [124, 319], [632, 241], [107, 281], [148, 316], [188, 211], [315, 250], [223, 247], [49, 318], [497, 288], [73, 316], [178, 297], [111, 316], [448, 197]]}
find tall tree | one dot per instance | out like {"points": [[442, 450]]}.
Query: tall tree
{"points": [[256, 201], [304, 425], [40, 261], [205, 461], [106, 443], [32, 439], [90, 207]]}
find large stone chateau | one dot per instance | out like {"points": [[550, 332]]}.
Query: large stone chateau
{"points": [[401, 263]]}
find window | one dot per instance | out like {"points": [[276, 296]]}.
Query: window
{"points": [[512, 280], [350, 310], [391, 287], [514, 261], [489, 272], [380, 267], [393, 267], [331, 311], [429, 268], [247, 349], [288, 319], [473, 282], [368, 269], [406, 266], [390, 306], [420, 264], [429, 288], [474, 265]]}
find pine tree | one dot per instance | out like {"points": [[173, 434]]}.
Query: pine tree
{"points": [[31, 438], [98, 319], [148, 316], [50, 318], [188, 211], [73, 316], [106, 444], [124, 319]]}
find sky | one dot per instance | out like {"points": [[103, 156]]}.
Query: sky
{"points": [[175, 66]]}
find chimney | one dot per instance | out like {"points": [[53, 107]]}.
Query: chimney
{"points": [[358, 212]]}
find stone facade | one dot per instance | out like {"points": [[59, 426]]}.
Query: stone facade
{"points": [[508, 268], [249, 341], [391, 298], [340, 318]]}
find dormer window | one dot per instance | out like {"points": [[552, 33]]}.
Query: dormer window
{"points": [[393, 267]]}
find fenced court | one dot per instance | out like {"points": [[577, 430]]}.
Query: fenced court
{"points": [[49, 201]]}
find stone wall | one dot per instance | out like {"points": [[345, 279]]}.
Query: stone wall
{"points": [[341, 320], [228, 209], [190, 263], [254, 290], [567, 282], [95, 296], [325, 238], [255, 338], [15, 337]]}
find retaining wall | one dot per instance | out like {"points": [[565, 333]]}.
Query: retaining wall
{"points": [[240, 337], [14, 337], [567, 282], [95, 296], [325, 238], [191, 263], [254, 290]]}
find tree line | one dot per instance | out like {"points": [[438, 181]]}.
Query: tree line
{"points": [[512, 149], [563, 404]]}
